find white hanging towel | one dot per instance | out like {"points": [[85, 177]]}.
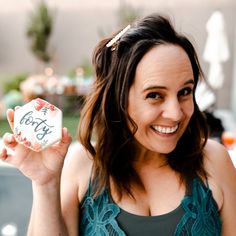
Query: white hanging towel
{"points": [[216, 49]]}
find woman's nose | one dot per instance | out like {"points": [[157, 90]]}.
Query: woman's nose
{"points": [[172, 110]]}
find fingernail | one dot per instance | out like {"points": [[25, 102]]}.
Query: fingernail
{"points": [[65, 131], [9, 138]]}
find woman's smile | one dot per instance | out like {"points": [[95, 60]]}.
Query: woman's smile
{"points": [[165, 129]]}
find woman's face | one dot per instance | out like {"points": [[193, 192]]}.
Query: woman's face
{"points": [[161, 97]]}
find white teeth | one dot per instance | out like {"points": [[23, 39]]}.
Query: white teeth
{"points": [[166, 130]]}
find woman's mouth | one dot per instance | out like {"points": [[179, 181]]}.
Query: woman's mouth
{"points": [[164, 129]]}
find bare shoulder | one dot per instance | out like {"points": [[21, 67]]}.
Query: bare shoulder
{"points": [[74, 183], [222, 176], [77, 168], [217, 159], [78, 157]]}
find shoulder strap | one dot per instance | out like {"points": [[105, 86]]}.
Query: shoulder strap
{"points": [[207, 183], [90, 187]]}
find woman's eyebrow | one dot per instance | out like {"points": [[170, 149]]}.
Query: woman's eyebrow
{"points": [[154, 87], [190, 81]]}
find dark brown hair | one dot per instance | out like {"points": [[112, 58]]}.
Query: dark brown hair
{"points": [[105, 110]]}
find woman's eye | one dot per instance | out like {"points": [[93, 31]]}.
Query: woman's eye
{"points": [[153, 95], [185, 92]]}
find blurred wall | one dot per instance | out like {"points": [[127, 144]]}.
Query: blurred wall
{"points": [[78, 26]]}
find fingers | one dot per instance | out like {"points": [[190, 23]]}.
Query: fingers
{"points": [[66, 138], [3, 154], [10, 116], [65, 141], [9, 140], [9, 146], [9, 143], [6, 156]]}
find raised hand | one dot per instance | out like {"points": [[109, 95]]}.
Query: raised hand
{"points": [[41, 167]]}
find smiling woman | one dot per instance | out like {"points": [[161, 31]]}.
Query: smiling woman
{"points": [[152, 170], [152, 154]]}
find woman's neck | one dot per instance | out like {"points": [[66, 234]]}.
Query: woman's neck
{"points": [[149, 158]]}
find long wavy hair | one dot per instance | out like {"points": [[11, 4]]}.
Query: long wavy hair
{"points": [[105, 117]]}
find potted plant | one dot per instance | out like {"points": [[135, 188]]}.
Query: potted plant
{"points": [[39, 31]]}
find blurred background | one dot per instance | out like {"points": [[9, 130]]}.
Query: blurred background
{"points": [[46, 48]]}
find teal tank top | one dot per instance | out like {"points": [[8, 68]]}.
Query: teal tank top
{"points": [[197, 215]]}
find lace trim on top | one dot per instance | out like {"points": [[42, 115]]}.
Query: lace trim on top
{"points": [[99, 217], [201, 218], [201, 213]]}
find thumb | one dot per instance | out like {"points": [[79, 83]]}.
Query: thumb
{"points": [[66, 137], [65, 141]]}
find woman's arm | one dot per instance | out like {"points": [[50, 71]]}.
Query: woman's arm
{"points": [[44, 170], [55, 182], [46, 218], [228, 185], [223, 172], [62, 210]]}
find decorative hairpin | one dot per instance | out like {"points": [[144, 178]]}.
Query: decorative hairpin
{"points": [[113, 41]]}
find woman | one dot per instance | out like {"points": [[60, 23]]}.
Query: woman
{"points": [[151, 169]]}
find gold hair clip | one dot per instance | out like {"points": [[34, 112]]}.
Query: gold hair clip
{"points": [[112, 42]]}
